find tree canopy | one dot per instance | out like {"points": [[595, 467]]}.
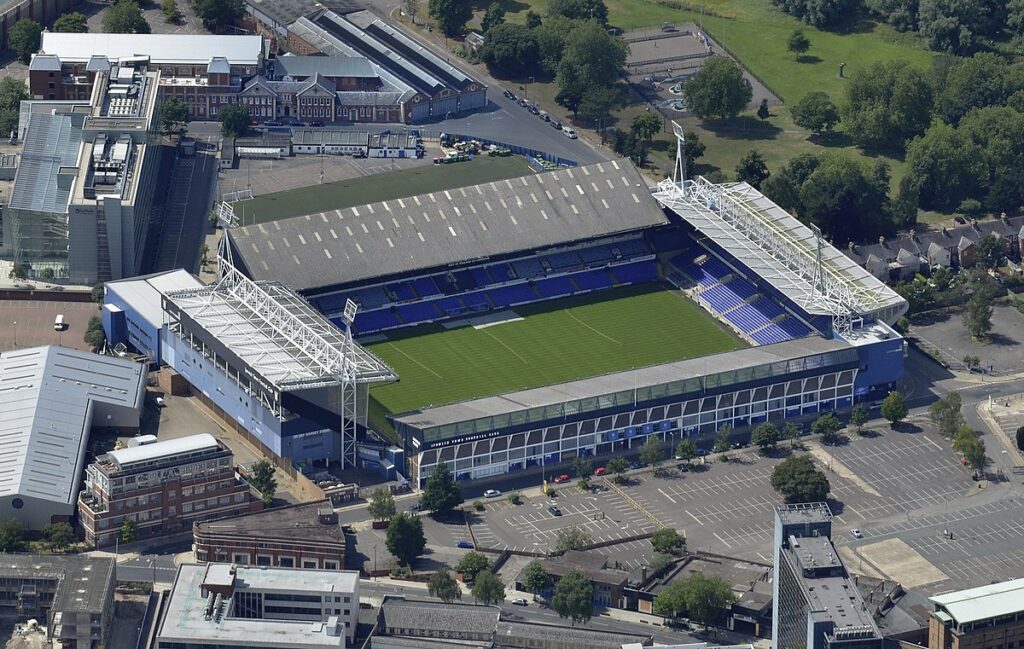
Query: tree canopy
{"points": [[572, 538], [589, 65], [653, 451], [894, 408], [815, 112], [752, 169], [819, 13], [945, 167], [59, 536], [472, 564], [218, 14], [405, 538], [535, 578], [666, 540], [234, 120], [12, 92], [799, 481], [718, 90], [978, 314], [798, 42], [441, 493], [382, 504], [72, 22], [125, 17], [574, 597], [451, 15], [579, 10], [946, 414], [488, 589], [888, 104], [173, 115], [24, 38], [12, 536], [827, 425], [262, 479], [494, 16], [443, 586], [765, 436]]}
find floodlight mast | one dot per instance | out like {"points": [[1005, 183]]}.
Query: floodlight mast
{"points": [[349, 393], [679, 172]]}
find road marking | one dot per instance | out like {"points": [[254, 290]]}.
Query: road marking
{"points": [[724, 542], [670, 499], [695, 518], [932, 443]]}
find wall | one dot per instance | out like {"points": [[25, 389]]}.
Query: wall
{"points": [[881, 364], [138, 332], [42, 11]]}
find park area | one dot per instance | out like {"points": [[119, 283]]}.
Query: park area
{"points": [[543, 344]]}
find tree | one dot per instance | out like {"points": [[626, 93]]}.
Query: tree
{"points": [[125, 17], [12, 536], [819, 13], [668, 541], [488, 589], [894, 409], [978, 314], [94, 335], [73, 22], [945, 414], [405, 538], [827, 426], [752, 169], [535, 578], [985, 79], [974, 453], [816, 113], [572, 538], [234, 120], [511, 49], [945, 167], [218, 14], [798, 43], [971, 361], [686, 450], [382, 504], [411, 7], [722, 441], [59, 536], [584, 467], [443, 586], [799, 481], [451, 15], [262, 479], [646, 125], [574, 597], [24, 38], [888, 104], [48, 273], [901, 14], [494, 16], [173, 115], [441, 493], [858, 417], [18, 271], [791, 433], [98, 293], [958, 26], [617, 466], [671, 601], [762, 111], [170, 10], [12, 92], [1015, 17], [472, 564], [533, 19], [653, 451], [1020, 438], [718, 90], [707, 598], [129, 530], [839, 186], [579, 10], [765, 436], [693, 148], [989, 251], [591, 61]]}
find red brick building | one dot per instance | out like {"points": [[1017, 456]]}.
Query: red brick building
{"points": [[298, 536], [163, 487]]}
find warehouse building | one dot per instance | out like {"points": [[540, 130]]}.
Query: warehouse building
{"points": [[990, 616]]}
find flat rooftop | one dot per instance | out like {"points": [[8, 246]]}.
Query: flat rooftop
{"points": [[345, 246], [294, 521], [125, 457], [86, 581], [193, 49], [804, 513], [982, 603]]}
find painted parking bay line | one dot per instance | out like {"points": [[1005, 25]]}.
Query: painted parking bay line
{"points": [[723, 541], [699, 521], [670, 499]]}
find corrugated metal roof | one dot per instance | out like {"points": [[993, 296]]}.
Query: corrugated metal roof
{"points": [[51, 142], [196, 49], [329, 66], [984, 602], [147, 452], [143, 293], [45, 413]]}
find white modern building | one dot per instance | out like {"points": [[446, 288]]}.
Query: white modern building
{"points": [[50, 399], [219, 605]]}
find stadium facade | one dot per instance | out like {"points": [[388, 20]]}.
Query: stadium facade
{"points": [[818, 325]]}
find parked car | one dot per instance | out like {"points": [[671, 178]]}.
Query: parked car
{"points": [[316, 123], [596, 489], [684, 467], [519, 601], [556, 125], [555, 511], [544, 115], [569, 133], [273, 122], [415, 507], [599, 470], [464, 544], [857, 534], [533, 109], [492, 493], [510, 95], [636, 464], [562, 478], [523, 102], [159, 401]]}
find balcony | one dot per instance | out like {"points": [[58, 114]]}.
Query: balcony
{"points": [[92, 503]]}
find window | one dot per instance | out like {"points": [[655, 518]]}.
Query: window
{"points": [[241, 558], [309, 564], [330, 565]]}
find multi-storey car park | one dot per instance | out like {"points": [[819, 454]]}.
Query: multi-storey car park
{"points": [[527, 317]]}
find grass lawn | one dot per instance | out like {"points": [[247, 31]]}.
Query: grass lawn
{"points": [[557, 341], [379, 187]]}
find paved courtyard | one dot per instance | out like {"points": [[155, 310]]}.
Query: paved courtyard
{"points": [[1002, 352], [28, 323]]}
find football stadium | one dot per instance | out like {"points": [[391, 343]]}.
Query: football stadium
{"points": [[577, 312]]}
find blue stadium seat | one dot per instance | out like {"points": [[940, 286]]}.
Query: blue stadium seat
{"points": [[447, 287], [368, 322], [631, 248], [528, 268], [330, 303], [481, 276], [371, 297], [418, 312], [501, 273], [425, 286], [769, 308], [504, 296], [592, 280], [555, 286], [794, 328], [450, 306], [476, 301], [597, 255], [402, 290], [561, 261], [635, 273], [464, 280]]}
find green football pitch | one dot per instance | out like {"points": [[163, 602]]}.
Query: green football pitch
{"points": [[554, 342], [380, 187]]}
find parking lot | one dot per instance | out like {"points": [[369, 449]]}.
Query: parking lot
{"points": [[1003, 351], [29, 323]]}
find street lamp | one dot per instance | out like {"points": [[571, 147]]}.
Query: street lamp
{"points": [[15, 334], [375, 562]]}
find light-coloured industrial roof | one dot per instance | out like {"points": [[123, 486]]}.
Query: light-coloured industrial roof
{"points": [[190, 49], [144, 292], [315, 581], [983, 602], [147, 452], [439, 228], [47, 398], [52, 141]]}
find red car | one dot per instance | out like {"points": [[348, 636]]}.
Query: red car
{"points": [[562, 478], [599, 470]]}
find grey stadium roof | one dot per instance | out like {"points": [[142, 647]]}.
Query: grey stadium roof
{"points": [[439, 228], [46, 397], [618, 382], [51, 142]]}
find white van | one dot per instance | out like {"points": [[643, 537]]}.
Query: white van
{"points": [[569, 133], [58, 323]]}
